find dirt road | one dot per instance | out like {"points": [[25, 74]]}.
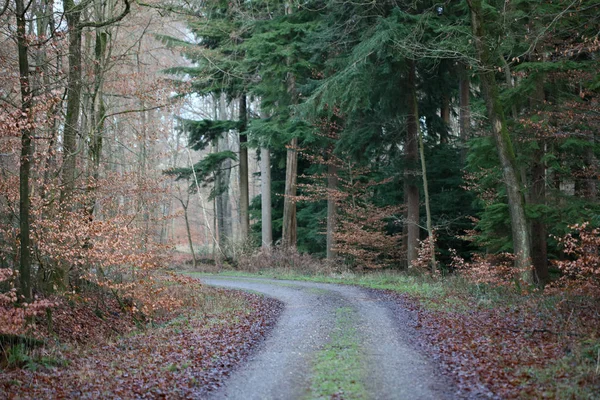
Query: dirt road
{"points": [[322, 323]]}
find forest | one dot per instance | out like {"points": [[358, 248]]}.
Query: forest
{"points": [[443, 150]]}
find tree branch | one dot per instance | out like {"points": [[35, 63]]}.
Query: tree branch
{"points": [[108, 22]]}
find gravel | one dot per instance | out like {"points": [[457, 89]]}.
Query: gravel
{"points": [[281, 367]]}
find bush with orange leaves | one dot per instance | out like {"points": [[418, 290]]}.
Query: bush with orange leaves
{"points": [[581, 269], [14, 316], [496, 270]]}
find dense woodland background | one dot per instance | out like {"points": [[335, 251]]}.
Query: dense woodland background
{"points": [[406, 135]]}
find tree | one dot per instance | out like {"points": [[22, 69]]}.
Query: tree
{"points": [[26, 160], [506, 154], [76, 26]]}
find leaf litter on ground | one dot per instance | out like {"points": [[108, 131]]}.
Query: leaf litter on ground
{"points": [[186, 356]]}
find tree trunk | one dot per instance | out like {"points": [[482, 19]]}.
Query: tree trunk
{"points": [[445, 115], [430, 232], [539, 240], [244, 199], [465, 111], [289, 203], [289, 224], [519, 225], [188, 229], [73, 15], [265, 186], [332, 187], [539, 245], [26, 155], [411, 195]]}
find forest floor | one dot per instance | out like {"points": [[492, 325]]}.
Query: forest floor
{"points": [[490, 342], [100, 352], [378, 336]]}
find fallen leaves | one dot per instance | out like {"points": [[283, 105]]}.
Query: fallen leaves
{"points": [[527, 349], [184, 358]]}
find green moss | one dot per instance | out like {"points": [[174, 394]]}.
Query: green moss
{"points": [[337, 369]]}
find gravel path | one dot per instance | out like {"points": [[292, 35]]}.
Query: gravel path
{"points": [[282, 366]]}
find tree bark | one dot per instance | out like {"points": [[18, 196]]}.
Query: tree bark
{"points": [[411, 195], [184, 205], [73, 16], [519, 225], [26, 155], [289, 204], [445, 115], [265, 186], [465, 111], [289, 225], [430, 232], [539, 245], [332, 187], [244, 198], [539, 240]]}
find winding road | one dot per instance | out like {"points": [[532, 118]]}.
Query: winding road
{"points": [[286, 365]]}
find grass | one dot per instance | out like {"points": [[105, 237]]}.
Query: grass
{"points": [[583, 363], [435, 294], [337, 369]]}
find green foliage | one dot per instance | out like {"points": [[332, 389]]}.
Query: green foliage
{"points": [[202, 133]]}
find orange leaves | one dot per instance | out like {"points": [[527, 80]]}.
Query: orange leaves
{"points": [[13, 316], [184, 358], [581, 269]]}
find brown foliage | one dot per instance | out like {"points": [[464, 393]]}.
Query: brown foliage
{"points": [[284, 259], [184, 358], [581, 271]]}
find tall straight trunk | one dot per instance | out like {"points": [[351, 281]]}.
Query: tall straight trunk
{"points": [[411, 156], [289, 228], [73, 15], [244, 198], [445, 115], [265, 186], [519, 225], [465, 110], [430, 233], [223, 205], [332, 186], [539, 240], [289, 204], [26, 155]]}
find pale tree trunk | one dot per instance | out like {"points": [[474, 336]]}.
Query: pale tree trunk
{"points": [[289, 204], [265, 185], [244, 197], [332, 187], [411, 193], [415, 109], [26, 155], [465, 110], [289, 228], [519, 225], [185, 205]]}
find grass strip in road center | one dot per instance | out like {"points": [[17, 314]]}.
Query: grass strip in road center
{"points": [[338, 369]]}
